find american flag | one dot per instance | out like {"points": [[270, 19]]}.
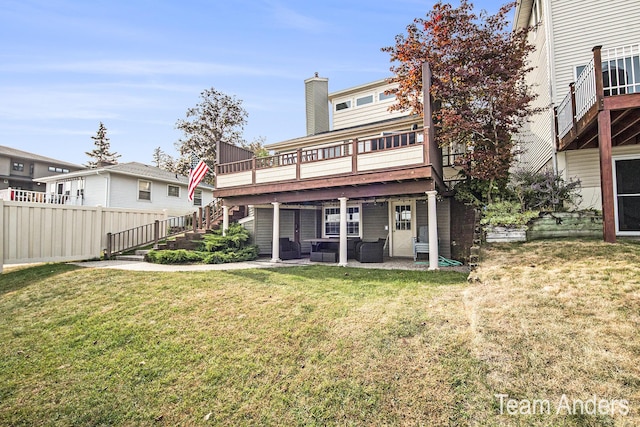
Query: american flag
{"points": [[198, 170]]}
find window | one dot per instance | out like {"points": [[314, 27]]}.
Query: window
{"points": [[58, 170], [197, 198], [31, 167], [403, 217], [144, 190], [173, 191], [343, 105], [383, 96], [364, 100], [18, 166], [332, 221]]}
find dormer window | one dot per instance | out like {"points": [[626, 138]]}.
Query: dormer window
{"points": [[343, 105]]}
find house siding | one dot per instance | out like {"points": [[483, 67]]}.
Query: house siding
{"points": [[585, 165], [609, 25], [364, 114], [536, 139]]}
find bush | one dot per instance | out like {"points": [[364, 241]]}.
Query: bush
{"points": [[506, 214], [216, 249], [544, 191]]}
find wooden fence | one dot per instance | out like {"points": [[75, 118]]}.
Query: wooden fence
{"points": [[31, 232]]}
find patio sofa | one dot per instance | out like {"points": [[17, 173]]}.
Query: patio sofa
{"points": [[289, 249], [370, 251]]}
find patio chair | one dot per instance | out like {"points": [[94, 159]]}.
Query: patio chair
{"points": [[370, 251], [289, 249]]}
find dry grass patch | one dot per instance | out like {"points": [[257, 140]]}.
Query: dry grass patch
{"points": [[560, 318]]}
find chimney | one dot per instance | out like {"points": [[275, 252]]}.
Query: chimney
{"points": [[317, 104]]}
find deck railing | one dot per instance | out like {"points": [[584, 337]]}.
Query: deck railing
{"points": [[565, 116], [585, 90], [621, 70], [326, 152], [17, 195]]}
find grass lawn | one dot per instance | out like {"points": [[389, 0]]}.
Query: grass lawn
{"points": [[323, 345]]}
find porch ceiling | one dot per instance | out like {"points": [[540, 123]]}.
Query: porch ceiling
{"points": [[625, 125]]}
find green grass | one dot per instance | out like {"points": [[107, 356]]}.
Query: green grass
{"points": [[322, 345]]}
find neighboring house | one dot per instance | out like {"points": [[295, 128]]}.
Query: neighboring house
{"points": [[128, 185], [373, 174], [587, 70], [20, 169]]}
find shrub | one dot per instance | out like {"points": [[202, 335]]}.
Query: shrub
{"points": [[178, 256], [545, 191], [506, 214]]}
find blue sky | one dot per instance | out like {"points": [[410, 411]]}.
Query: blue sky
{"points": [[66, 65]]}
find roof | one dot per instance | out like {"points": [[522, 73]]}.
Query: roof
{"points": [[359, 88], [14, 152], [522, 14], [139, 170]]}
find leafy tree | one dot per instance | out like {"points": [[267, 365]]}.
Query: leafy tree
{"points": [[101, 153], [478, 67], [163, 160], [257, 146], [217, 117]]}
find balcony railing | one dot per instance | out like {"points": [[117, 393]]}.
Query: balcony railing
{"points": [[344, 157], [616, 71], [39, 197]]}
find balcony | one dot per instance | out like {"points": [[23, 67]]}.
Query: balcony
{"points": [[611, 81], [16, 195], [387, 158]]}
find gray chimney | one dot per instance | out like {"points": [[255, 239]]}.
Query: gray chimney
{"points": [[316, 91]]}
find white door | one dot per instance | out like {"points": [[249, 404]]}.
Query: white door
{"points": [[402, 228], [627, 203]]}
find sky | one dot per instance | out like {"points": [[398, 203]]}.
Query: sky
{"points": [[138, 65]]}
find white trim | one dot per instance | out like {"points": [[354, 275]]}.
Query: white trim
{"points": [[615, 192], [349, 205]]}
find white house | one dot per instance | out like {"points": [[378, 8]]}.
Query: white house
{"points": [[128, 185], [587, 77]]}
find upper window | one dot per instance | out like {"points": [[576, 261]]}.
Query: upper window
{"points": [[332, 221], [197, 198], [173, 191], [18, 166], [364, 100], [343, 105], [144, 190], [58, 170], [384, 96]]}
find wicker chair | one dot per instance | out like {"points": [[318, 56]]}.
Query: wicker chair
{"points": [[370, 251], [289, 249]]}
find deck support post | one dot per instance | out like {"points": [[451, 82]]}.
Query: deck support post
{"points": [[433, 230], [275, 244], [225, 219], [343, 231], [606, 176]]}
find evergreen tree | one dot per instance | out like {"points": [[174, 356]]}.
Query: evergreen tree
{"points": [[101, 153]]}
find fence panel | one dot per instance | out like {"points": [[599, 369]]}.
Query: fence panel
{"points": [[31, 232]]}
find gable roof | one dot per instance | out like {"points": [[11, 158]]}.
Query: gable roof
{"points": [[14, 152], [135, 169]]}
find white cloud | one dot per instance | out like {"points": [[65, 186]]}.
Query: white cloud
{"points": [[290, 18]]}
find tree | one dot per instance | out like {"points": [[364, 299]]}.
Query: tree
{"points": [[101, 153], [218, 117], [478, 68], [257, 146], [163, 160]]}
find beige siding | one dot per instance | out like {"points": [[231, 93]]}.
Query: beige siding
{"points": [[234, 179], [536, 140], [325, 167], [281, 173], [585, 165], [356, 115], [54, 233], [580, 25], [391, 158]]}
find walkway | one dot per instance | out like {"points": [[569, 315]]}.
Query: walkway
{"points": [[389, 264]]}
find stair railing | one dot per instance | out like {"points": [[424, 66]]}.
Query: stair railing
{"points": [[149, 233]]}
